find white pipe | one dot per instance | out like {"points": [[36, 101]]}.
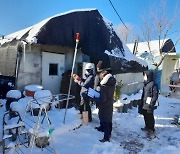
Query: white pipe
{"points": [[72, 72]]}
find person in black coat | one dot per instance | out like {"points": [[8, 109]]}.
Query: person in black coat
{"points": [[148, 101], [65, 82], [105, 103], [99, 67]]}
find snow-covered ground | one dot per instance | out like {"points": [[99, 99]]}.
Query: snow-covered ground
{"points": [[127, 136]]}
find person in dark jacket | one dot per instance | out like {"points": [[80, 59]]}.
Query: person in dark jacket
{"points": [[105, 103], [65, 82], [99, 67], [148, 102], [85, 84]]}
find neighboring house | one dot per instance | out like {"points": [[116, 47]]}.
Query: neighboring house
{"points": [[152, 55], [41, 53]]}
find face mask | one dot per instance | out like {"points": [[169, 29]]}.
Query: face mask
{"points": [[145, 77], [87, 72]]}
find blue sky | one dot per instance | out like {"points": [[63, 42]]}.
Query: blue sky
{"points": [[19, 14]]}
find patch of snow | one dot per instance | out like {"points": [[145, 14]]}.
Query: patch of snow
{"points": [[15, 106], [117, 104], [33, 87], [17, 35], [10, 84], [13, 94], [36, 28], [143, 46], [43, 96], [132, 83], [20, 106], [126, 99], [128, 55], [169, 150], [138, 95], [127, 136]]}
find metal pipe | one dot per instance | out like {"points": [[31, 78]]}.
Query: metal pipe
{"points": [[72, 72]]}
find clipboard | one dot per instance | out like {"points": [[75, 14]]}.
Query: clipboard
{"points": [[92, 93]]}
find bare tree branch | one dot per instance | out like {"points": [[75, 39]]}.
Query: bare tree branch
{"points": [[163, 56], [159, 28], [125, 33]]}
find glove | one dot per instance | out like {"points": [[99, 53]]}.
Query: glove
{"points": [[78, 82], [76, 78], [91, 99], [151, 106]]}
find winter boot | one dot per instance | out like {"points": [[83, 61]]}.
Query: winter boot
{"points": [[151, 134], [99, 129], [144, 129], [104, 140]]}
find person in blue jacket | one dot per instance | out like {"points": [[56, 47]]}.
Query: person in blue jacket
{"points": [[85, 84]]}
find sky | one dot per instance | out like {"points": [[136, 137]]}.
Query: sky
{"points": [[19, 14]]}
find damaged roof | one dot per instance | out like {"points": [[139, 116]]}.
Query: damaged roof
{"points": [[98, 39]]}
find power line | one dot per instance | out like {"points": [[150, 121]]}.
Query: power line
{"points": [[118, 14]]}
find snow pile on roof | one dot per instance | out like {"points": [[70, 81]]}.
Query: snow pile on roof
{"points": [[17, 35], [34, 30], [116, 47], [150, 51], [144, 47], [13, 94], [127, 54]]}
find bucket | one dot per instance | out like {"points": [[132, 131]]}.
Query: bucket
{"points": [[29, 93], [85, 118]]}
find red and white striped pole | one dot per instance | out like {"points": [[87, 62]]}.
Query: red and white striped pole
{"points": [[72, 72]]}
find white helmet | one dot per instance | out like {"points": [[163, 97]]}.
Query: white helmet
{"points": [[89, 66]]}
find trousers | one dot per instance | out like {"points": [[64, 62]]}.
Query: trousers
{"points": [[149, 119]]}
